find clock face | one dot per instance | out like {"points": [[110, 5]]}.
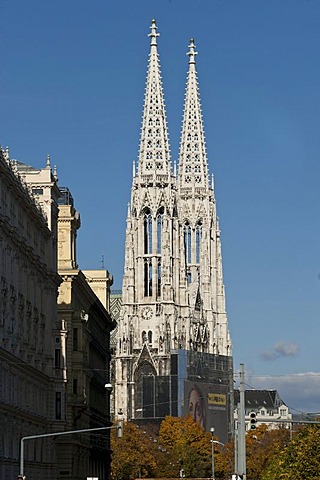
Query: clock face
{"points": [[147, 313]]}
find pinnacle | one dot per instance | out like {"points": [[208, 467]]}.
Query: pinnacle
{"points": [[153, 35]]}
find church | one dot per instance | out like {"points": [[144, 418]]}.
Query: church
{"points": [[173, 340]]}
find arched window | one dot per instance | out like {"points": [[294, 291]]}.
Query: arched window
{"points": [[159, 229], [159, 279], [187, 243], [148, 278], [149, 336], [198, 241], [147, 231]]}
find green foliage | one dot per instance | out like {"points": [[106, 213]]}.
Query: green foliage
{"points": [[262, 445], [299, 459]]}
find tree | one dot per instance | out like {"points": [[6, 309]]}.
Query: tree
{"points": [[299, 459], [261, 447], [133, 454], [188, 443]]}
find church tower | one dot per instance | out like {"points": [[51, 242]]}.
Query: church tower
{"points": [[173, 295]]}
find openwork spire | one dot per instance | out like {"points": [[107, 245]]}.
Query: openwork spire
{"points": [[154, 156], [193, 167]]}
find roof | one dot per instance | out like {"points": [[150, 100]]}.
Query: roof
{"points": [[257, 399]]}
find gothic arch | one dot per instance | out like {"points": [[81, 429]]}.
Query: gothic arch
{"points": [[144, 378]]}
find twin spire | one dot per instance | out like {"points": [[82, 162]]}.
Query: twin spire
{"points": [[154, 165]]}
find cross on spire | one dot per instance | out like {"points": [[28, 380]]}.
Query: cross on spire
{"points": [[192, 53], [154, 34]]}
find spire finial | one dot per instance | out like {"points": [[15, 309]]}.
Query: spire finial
{"points": [[192, 53], [153, 35], [48, 160]]}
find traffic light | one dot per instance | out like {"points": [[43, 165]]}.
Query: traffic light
{"points": [[253, 421]]}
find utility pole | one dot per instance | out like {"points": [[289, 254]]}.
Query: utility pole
{"points": [[242, 471]]}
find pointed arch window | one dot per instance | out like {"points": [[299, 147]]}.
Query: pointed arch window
{"points": [[159, 279], [147, 231], [159, 229], [148, 278], [187, 243], [149, 336], [198, 241]]}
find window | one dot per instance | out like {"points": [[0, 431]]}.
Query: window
{"points": [[187, 243], [75, 339], [75, 386], [159, 229], [37, 191], [58, 405], [159, 280], [148, 278], [57, 358], [147, 231], [198, 241], [150, 336]]}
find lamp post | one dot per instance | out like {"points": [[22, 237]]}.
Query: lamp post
{"points": [[119, 428], [212, 451]]}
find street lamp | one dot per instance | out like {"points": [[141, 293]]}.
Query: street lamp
{"points": [[119, 428], [212, 451]]}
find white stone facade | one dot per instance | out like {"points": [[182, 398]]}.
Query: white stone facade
{"points": [[173, 294]]}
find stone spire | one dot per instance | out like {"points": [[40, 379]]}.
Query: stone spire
{"points": [[154, 156], [193, 167]]}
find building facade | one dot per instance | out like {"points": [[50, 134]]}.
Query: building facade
{"points": [[54, 355], [263, 407], [173, 296], [28, 314], [82, 356]]}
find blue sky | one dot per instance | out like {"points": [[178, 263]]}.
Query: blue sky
{"points": [[72, 84]]}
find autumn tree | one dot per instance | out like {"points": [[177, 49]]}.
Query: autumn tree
{"points": [[188, 444], [299, 459], [261, 447], [133, 454]]}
